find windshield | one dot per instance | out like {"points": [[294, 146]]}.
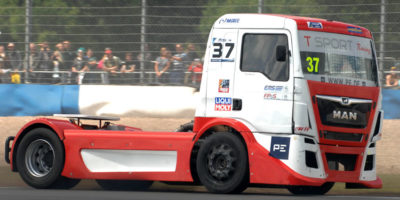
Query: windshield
{"points": [[337, 58]]}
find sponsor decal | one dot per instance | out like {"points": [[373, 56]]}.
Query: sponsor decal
{"points": [[302, 129], [280, 147], [360, 48], [270, 96], [223, 86], [333, 43], [342, 81], [273, 88], [275, 92], [223, 104], [222, 60], [308, 40], [314, 25], [353, 29], [229, 20]]}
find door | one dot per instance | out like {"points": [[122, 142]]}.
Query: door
{"points": [[263, 82], [220, 72]]}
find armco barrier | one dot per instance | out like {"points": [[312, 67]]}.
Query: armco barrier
{"points": [[138, 101], [124, 101], [391, 103], [32, 100]]}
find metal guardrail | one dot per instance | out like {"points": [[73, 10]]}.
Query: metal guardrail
{"points": [[96, 77]]}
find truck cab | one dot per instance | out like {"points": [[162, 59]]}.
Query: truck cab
{"points": [[306, 88]]}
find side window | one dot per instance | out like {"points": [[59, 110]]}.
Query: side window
{"points": [[259, 55]]}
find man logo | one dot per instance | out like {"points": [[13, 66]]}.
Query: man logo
{"points": [[345, 101], [337, 114]]}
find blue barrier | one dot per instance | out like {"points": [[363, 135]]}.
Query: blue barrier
{"points": [[391, 103], [32, 100]]}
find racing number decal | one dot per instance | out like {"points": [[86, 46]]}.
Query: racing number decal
{"points": [[218, 47], [217, 50], [230, 45], [312, 64]]}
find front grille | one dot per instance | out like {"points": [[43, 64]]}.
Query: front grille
{"points": [[334, 113], [353, 137], [341, 162]]}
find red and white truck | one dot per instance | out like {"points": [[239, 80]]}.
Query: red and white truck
{"points": [[284, 101]]}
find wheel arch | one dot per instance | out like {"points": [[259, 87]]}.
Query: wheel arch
{"points": [[206, 127], [56, 126]]}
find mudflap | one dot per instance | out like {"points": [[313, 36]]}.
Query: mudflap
{"points": [[8, 149]]}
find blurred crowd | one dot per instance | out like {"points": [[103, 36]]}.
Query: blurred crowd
{"points": [[64, 65], [392, 78]]}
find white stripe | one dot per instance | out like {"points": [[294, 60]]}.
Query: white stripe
{"points": [[99, 160]]}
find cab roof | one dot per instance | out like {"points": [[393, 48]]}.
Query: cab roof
{"points": [[279, 21]]}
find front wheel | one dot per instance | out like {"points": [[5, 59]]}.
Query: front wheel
{"points": [[124, 184], [40, 160], [222, 164], [311, 190]]}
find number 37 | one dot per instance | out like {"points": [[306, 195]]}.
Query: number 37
{"points": [[218, 49], [312, 64]]}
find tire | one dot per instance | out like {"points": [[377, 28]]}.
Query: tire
{"points": [[40, 160], [124, 185], [311, 190], [188, 127], [222, 164]]}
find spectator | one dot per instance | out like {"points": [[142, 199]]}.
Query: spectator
{"points": [[161, 65], [89, 54], [44, 64], [2, 52], [58, 64], [178, 66], [392, 78], [14, 57], [15, 60], [68, 54], [191, 55], [33, 63], [111, 65], [128, 68], [196, 68], [79, 66], [4, 66], [3, 71], [92, 67]]}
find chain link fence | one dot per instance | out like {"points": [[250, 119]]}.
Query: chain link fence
{"points": [[120, 41]]}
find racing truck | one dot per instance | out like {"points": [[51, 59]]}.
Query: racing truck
{"points": [[285, 101]]}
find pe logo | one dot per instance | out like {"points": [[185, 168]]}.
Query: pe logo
{"points": [[280, 147]]}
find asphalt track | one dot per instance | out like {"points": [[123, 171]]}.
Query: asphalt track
{"points": [[24, 193]]}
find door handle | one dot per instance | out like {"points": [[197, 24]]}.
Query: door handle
{"points": [[237, 104]]}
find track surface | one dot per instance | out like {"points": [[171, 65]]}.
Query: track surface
{"points": [[22, 193]]}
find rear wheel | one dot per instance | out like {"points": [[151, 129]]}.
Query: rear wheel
{"points": [[124, 184], [40, 160], [222, 164], [311, 190]]}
